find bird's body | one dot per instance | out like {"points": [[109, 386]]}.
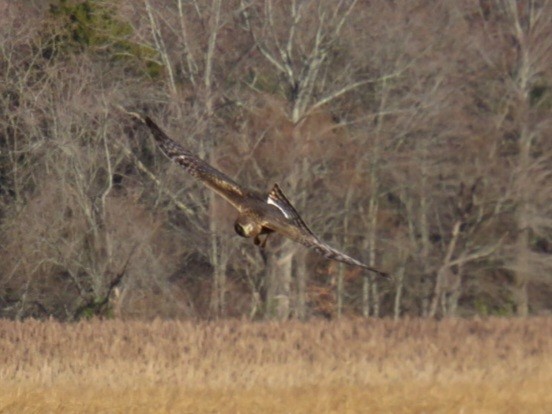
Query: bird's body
{"points": [[257, 214]]}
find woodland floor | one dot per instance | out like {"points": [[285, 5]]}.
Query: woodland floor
{"points": [[349, 366]]}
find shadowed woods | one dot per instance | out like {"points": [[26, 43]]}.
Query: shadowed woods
{"points": [[411, 135]]}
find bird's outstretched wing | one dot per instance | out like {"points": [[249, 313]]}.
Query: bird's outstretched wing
{"points": [[285, 220], [210, 176], [294, 228], [277, 198]]}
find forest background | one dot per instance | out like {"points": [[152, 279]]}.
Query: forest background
{"points": [[414, 135]]}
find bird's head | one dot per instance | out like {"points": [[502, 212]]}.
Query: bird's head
{"points": [[245, 226]]}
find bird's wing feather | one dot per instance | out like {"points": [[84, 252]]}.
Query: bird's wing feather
{"points": [[277, 198], [334, 254], [289, 223], [293, 227], [210, 176]]}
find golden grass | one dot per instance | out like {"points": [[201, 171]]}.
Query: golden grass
{"points": [[410, 366]]}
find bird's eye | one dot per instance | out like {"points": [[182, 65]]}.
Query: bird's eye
{"points": [[239, 229]]}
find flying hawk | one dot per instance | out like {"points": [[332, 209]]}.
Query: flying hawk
{"points": [[257, 214]]}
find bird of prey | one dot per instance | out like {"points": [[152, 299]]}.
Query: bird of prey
{"points": [[258, 215]]}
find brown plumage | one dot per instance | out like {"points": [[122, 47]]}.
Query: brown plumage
{"points": [[257, 214]]}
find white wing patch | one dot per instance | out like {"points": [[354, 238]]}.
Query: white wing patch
{"points": [[276, 204]]}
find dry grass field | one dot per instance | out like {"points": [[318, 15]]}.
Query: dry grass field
{"points": [[353, 366]]}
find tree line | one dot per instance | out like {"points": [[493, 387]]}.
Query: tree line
{"points": [[413, 135]]}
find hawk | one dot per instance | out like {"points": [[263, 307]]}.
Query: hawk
{"points": [[258, 214]]}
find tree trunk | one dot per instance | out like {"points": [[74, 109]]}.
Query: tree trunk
{"points": [[340, 290], [520, 296], [279, 270], [219, 260], [424, 232], [398, 292], [300, 271], [366, 296], [455, 292]]}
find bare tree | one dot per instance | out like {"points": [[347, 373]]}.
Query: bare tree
{"points": [[301, 42], [521, 124], [196, 62], [376, 118]]}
